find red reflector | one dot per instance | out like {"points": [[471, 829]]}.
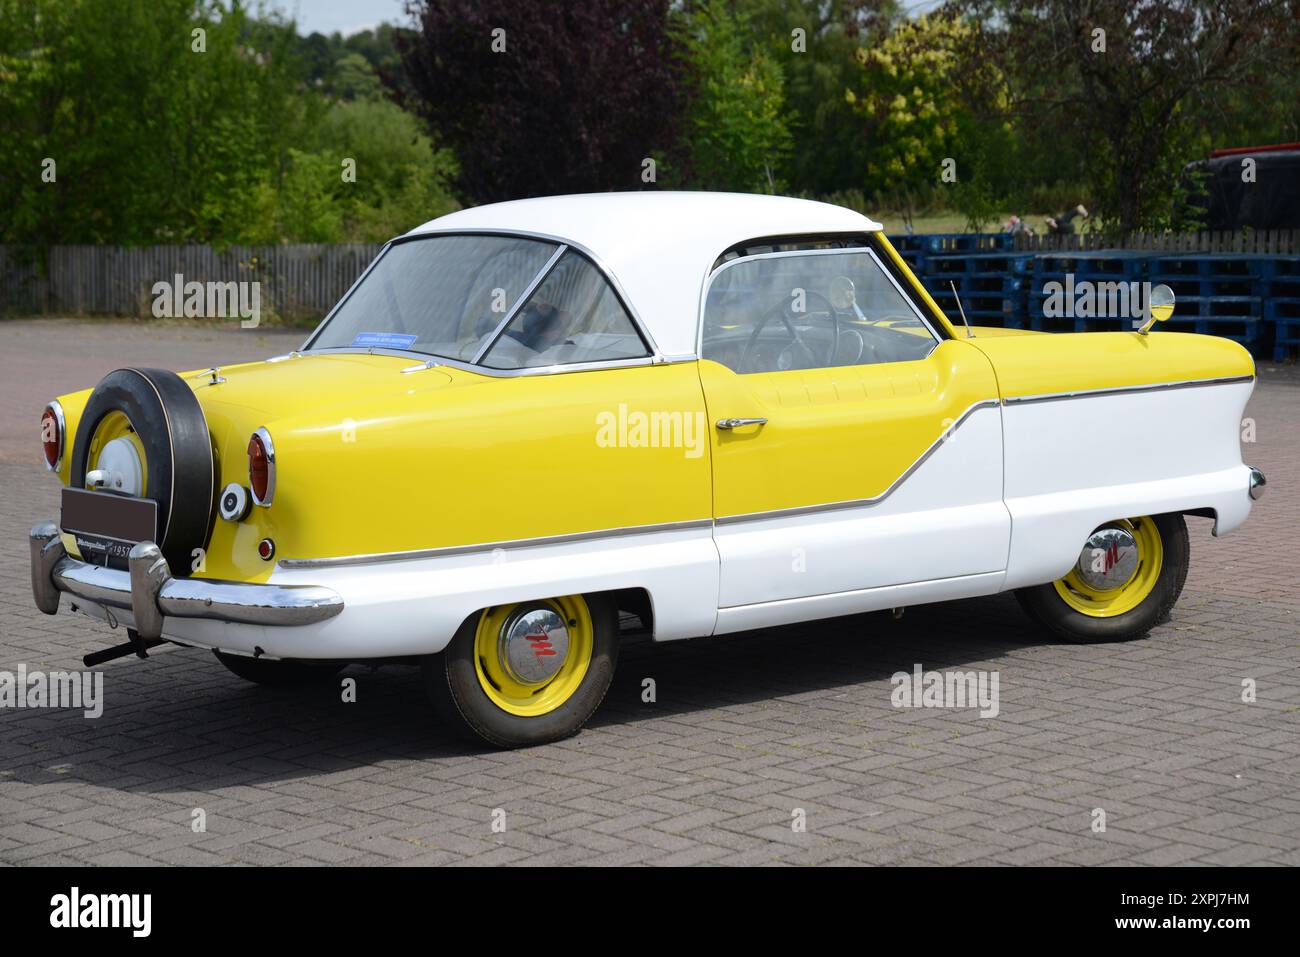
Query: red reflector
{"points": [[51, 437], [266, 548], [258, 468]]}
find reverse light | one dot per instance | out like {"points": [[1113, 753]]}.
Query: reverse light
{"points": [[261, 467], [52, 434]]}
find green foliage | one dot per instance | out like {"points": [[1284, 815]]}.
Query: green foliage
{"points": [[738, 128], [161, 135]]}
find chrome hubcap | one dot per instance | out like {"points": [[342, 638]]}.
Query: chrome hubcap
{"points": [[1109, 559], [534, 643], [118, 468]]}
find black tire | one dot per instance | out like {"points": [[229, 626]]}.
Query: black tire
{"points": [[264, 671], [1046, 607], [171, 426], [452, 684]]}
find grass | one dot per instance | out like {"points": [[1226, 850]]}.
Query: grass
{"points": [[946, 221]]}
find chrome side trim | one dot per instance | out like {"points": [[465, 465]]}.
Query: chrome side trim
{"points": [[1124, 389], [452, 550], [861, 502]]}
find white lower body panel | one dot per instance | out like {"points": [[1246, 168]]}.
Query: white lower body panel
{"points": [[413, 607], [1074, 464]]}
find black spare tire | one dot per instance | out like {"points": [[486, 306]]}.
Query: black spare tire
{"points": [[167, 418]]}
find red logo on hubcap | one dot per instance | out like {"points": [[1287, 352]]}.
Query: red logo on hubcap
{"points": [[1112, 556], [540, 642]]}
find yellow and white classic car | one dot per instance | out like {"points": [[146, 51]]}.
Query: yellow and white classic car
{"points": [[526, 422]]}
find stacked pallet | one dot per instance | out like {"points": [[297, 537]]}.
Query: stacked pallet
{"points": [[1057, 276], [1218, 294], [1280, 282], [1253, 298]]}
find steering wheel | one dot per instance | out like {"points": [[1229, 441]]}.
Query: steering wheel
{"points": [[785, 312]]}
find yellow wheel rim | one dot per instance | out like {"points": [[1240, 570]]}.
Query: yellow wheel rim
{"points": [[1095, 602], [531, 657], [115, 425]]}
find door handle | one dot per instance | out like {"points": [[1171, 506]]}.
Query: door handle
{"points": [[728, 424]]}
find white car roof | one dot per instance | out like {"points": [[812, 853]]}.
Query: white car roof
{"points": [[658, 246]]}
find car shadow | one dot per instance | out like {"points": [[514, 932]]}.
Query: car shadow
{"points": [[180, 722]]}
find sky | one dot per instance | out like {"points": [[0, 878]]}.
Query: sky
{"points": [[344, 16], [349, 16]]}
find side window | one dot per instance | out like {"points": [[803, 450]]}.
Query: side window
{"points": [[573, 316], [810, 311]]}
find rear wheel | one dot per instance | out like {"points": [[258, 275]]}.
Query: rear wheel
{"points": [[528, 672], [264, 671], [1128, 577]]}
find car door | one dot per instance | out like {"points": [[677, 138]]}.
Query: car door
{"points": [[854, 450]]}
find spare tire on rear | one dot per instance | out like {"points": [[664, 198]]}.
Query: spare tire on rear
{"points": [[167, 418]]}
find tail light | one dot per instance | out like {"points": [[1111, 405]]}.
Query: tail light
{"points": [[261, 467], [52, 435]]}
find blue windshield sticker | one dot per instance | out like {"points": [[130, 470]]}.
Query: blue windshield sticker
{"points": [[384, 340]]}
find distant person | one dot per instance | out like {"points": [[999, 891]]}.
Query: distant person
{"points": [[1063, 225], [1017, 227]]}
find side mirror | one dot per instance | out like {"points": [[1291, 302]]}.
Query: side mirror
{"points": [[1160, 306]]}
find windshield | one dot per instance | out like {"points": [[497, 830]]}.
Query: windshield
{"points": [[444, 295]]}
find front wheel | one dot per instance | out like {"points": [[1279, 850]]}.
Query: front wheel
{"points": [[1128, 576], [528, 672]]}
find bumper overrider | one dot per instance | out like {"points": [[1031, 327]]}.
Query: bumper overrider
{"points": [[150, 593]]}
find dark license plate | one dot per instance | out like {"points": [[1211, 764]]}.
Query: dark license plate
{"points": [[105, 525]]}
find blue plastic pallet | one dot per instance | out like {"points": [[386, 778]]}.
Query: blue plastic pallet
{"points": [[1206, 265]]}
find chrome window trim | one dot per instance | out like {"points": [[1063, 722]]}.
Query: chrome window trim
{"points": [[261, 433], [656, 356], [531, 288], [453, 550], [854, 250], [56, 407], [1126, 389], [423, 357]]}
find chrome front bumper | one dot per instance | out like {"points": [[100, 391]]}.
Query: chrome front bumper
{"points": [[1257, 484], [150, 593]]}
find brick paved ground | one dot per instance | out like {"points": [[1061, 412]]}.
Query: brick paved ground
{"points": [[746, 729]]}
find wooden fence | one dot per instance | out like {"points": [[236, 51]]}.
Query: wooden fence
{"points": [[1265, 242], [296, 282], [304, 281]]}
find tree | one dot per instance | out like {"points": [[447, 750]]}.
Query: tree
{"points": [[738, 130], [916, 120], [1127, 87], [536, 99], [150, 132], [814, 42]]}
